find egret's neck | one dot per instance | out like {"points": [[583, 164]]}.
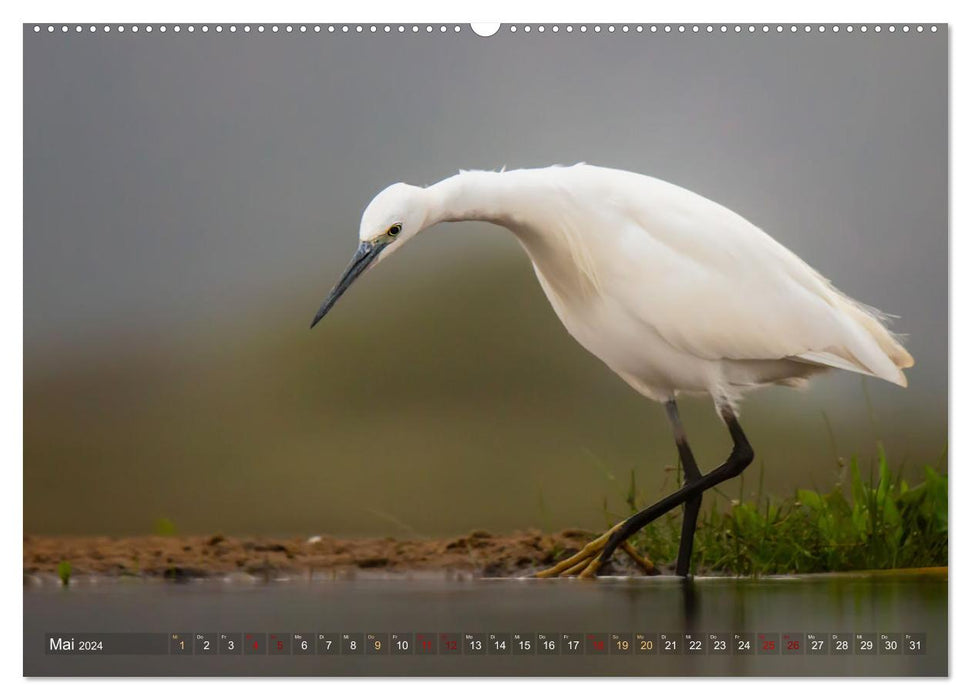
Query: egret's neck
{"points": [[469, 196], [529, 207]]}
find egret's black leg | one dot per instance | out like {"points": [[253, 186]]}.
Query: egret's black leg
{"points": [[691, 474], [740, 458]]}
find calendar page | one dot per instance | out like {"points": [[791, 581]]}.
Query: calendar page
{"points": [[540, 349]]}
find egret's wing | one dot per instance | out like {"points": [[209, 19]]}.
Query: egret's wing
{"points": [[716, 286]]}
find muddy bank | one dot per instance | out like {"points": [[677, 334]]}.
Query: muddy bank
{"points": [[477, 554]]}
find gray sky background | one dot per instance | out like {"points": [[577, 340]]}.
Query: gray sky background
{"points": [[173, 182], [166, 175]]}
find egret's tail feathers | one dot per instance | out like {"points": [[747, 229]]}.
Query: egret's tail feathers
{"points": [[874, 322], [870, 348], [830, 359]]}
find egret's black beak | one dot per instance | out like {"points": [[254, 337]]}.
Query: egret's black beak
{"points": [[365, 255]]}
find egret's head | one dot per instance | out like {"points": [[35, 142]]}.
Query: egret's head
{"points": [[396, 214]]}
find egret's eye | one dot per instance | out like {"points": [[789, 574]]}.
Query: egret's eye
{"points": [[394, 230]]}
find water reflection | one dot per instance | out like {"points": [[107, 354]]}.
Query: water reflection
{"points": [[660, 605]]}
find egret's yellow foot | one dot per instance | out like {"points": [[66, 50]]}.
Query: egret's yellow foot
{"points": [[573, 564], [590, 570], [586, 562], [641, 560]]}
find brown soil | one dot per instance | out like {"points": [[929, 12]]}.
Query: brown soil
{"points": [[196, 556]]}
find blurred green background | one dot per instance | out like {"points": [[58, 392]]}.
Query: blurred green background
{"points": [[188, 202]]}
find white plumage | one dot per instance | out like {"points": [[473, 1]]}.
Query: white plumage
{"points": [[674, 292]]}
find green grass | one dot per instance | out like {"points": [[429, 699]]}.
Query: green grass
{"points": [[164, 527], [881, 522], [64, 572]]}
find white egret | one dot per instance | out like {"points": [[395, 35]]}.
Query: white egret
{"points": [[673, 292]]}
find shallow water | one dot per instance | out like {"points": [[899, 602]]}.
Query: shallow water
{"points": [[823, 605]]}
